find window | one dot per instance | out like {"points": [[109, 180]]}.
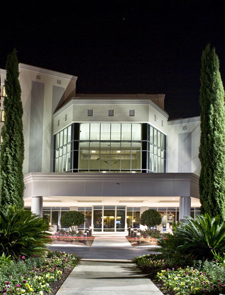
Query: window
{"points": [[131, 113], [90, 113], [3, 116], [3, 91], [111, 113]]}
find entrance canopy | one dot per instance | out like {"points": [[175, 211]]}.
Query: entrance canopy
{"points": [[71, 189]]}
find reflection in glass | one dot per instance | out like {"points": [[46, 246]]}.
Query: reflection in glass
{"points": [[120, 220], [109, 220], [98, 220]]}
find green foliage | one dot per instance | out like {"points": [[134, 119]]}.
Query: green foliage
{"points": [[153, 233], [212, 142], [204, 278], [151, 218], [150, 263], [34, 275], [12, 148], [22, 233], [196, 238], [72, 218], [5, 260]]}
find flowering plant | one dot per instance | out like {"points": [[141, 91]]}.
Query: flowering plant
{"points": [[34, 275]]}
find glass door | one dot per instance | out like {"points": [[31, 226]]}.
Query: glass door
{"points": [[109, 219]]}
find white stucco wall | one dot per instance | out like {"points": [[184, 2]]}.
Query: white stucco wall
{"points": [[145, 112], [176, 161]]}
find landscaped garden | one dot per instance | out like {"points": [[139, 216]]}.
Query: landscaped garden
{"points": [[26, 266], [191, 260], [72, 237]]}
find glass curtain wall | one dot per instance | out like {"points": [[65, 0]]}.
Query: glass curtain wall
{"points": [[110, 147], [109, 218], [133, 217]]}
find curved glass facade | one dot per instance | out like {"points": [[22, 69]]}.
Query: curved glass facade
{"points": [[110, 147]]}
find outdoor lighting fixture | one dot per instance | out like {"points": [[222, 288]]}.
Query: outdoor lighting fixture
{"points": [[103, 171], [93, 152], [111, 216], [118, 152]]}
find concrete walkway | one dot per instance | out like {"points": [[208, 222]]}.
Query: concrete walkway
{"points": [[107, 278], [109, 241]]}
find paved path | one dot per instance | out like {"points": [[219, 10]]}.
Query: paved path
{"points": [[109, 241], [107, 278], [105, 247]]}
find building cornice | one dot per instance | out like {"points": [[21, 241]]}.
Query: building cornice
{"points": [[47, 72], [122, 184], [119, 101]]}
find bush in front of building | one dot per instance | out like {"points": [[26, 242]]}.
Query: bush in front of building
{"points": [[151, 218], [22, 233], [197, 238], [72, 218]]}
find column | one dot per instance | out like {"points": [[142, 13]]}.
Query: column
{"points": [[37, 205], [185, 207]]}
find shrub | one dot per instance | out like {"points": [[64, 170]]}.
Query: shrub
{"points": [[197, 238], [5, 260], [22, 233], [151, 218], [72, 218], [153, 233]]}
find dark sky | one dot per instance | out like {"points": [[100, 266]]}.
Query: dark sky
{"points": [[119, 46]]}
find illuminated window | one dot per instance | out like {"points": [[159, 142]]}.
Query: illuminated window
{"points": [[3, 116], [3, 91]]}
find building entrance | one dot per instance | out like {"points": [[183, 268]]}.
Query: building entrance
{"points": [[109, 218]]}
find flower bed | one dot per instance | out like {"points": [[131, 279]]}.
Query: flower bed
{"points": [[72, 237], [34, 275], [206, 277]]}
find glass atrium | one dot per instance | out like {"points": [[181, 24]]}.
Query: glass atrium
{"points": [[110, 148]]}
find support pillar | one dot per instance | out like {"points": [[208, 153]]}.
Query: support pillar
{"points": [[37, 205], [185, 207]]}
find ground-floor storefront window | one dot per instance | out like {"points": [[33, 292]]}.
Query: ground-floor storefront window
{"points": [[114, 218]]}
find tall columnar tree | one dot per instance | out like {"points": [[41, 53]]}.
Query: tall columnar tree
{"points": [[12, 148], [212, 142]]}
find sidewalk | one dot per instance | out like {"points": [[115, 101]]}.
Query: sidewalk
{"points": [[110, 241], [107, 278]]}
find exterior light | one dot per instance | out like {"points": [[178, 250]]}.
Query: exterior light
{"points": [[103, 171], [93, 152], [118, 152]]}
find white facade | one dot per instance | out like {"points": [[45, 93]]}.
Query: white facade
{"points": [[104, 154]]}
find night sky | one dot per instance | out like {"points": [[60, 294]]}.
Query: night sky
{"points": [[119, 46]]}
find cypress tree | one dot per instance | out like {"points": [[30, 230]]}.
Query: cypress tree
{"points": [[212, 142], [12, 148]]}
